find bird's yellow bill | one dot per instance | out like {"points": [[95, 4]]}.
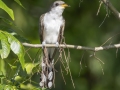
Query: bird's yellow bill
{"points": [[65, 5]]}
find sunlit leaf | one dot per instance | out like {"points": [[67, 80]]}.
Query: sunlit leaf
{"points": [[5, 46], [7, 9], [31, 67]]}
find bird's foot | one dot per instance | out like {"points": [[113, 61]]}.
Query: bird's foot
{"points": [[57, 44], [43, 44]]}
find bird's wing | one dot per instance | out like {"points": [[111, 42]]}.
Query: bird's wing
{"points": [[41, 28], [41, 32], [60, 37]]}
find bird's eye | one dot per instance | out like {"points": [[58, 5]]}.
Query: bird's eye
{"points": [[56, 4]]}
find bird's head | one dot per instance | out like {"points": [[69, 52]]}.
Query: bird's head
{"points": [[59, 6]]}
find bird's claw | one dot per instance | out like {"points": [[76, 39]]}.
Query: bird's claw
{"points": [[43, 44], [57, 44]]}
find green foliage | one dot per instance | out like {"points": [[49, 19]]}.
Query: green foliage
{"points": [[8, 42], [7, 87], [7, 9]]}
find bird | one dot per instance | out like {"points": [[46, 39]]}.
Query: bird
{"points": [[51, 30]]}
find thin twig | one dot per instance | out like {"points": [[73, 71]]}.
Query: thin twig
{"points": [[100, 65], [103, 20], [116, 52], [110, 39], [99, 7], [62, 75], [81, 63], [100, 61]]}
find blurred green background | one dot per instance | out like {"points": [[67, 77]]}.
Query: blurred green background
{"points": [[82, 28]]}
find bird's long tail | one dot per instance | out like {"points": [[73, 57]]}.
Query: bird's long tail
{"points": [[47, 72]]}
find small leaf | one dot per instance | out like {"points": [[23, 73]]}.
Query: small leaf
{"points": [[18, 1], [31, 67], [7, 9], [5, 47]]}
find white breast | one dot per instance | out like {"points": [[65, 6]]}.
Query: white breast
{"points": [[52, 25]]}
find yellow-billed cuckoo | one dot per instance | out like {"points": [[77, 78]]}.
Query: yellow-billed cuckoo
{"points": [[51, 31]]}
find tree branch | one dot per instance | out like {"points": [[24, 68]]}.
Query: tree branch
{"points": [[112, 8], [74, 46]]}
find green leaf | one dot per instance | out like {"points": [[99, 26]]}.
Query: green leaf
{"points": [[5, 46], [0, 51], [2, 87], [7, 9], [9, 87], [18, 1], [16, 47], [9, 22], [12, 67]]}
